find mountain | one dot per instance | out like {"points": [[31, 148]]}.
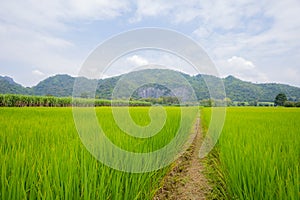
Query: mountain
{"points": [[59, 85], [9, 86], [236, 89], [239, 90]]}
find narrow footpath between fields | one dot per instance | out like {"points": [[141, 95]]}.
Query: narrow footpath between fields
{"points": [[186, 180]]}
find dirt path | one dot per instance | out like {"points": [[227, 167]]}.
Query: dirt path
{"points": [[186, 180]]}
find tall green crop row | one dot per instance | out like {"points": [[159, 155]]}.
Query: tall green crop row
{"points": [[259, 153], [14, 100], [42, 156]]}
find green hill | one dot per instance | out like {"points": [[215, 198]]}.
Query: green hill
{"points": [[59, 85], [239, 90], [9, 86], [236, 89]]}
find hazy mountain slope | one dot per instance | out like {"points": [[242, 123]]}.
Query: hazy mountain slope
{"points": [[239, 90], [270, 90], [8, 86]]}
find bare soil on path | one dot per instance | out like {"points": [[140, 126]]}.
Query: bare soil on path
{"points": [[186, 181]]}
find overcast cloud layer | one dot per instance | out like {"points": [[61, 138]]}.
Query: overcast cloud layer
{"points": [[253, 40]]}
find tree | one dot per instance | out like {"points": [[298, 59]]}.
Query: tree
{"points": [[228, 101], [280, 99]]}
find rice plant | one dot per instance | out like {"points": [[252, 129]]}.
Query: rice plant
{"points": [[259, 153], [42, 156]]}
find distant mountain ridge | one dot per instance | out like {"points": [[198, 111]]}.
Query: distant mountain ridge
{"points": [[236, 89]]}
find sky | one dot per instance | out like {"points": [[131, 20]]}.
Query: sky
{"points": [[257, 41]]}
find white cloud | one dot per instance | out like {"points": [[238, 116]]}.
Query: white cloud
{"points": [[267, 32], [37, 72], [96, 9], [241, 68], [34, 49], [226, 15], [137, 60], [149, 59], [255, 23], [177, 12], [286, 75], [240, 63], [148, 8], [54, 41], [53, 14], [36, 34]]}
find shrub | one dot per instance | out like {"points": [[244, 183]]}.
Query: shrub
{"points": [[289, 104], [297, 104]]}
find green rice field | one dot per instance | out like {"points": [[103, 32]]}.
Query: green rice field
{"points": [[42, 156], [258, 153]]}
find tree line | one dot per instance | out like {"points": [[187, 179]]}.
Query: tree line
{"points": [[14, 100]]}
